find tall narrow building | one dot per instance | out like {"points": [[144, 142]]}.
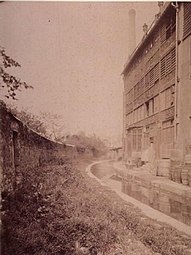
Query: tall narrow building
{"points": [[157, 88]]}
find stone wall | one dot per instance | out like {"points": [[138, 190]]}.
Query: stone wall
{"points": [[21, 149]]}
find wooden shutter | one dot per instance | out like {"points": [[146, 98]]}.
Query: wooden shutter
{"points": [[156, 73], [168, 63], [187, 20], [163, 67], [163, 33], [151, 82]]}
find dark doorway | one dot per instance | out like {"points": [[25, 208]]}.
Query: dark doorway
{"points": [[15, 149]]}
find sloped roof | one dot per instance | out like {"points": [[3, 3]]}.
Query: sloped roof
{"points": [[146, 37]]}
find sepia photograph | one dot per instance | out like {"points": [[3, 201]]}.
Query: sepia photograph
{"points": [[95, 127]]}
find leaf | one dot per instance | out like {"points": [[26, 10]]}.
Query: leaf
{"points": [[10, 81]]}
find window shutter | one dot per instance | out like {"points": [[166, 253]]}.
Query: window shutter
{"points": [[163, 67], [163, 33], [156, 73], [168, 63], [187, 20]]}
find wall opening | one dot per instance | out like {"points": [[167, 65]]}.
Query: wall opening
{"points": [[15, 150]]}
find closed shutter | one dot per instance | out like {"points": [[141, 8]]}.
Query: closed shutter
{"points": [[163, 67], [187, 20], [143, 83], [147, 81], [163, 33], [151, 82], [156, 73], [168, 63]]}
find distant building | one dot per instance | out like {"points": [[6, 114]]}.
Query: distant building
{"points": [[157, 87]]}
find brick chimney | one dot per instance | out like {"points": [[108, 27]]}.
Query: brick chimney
{"points": [[132, 33]]}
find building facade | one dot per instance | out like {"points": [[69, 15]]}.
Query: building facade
{"points": [[157, 88]]}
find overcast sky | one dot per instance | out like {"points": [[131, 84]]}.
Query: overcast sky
{"points": [[73, 55]]}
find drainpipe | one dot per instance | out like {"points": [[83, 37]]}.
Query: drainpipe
{"points": [[124, 123], [176, 71]]}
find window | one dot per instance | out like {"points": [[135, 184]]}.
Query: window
{"points": [[149, 107], [168, 27], [152, 77], [167, 98], [156, 73], [151, 82], [129, 96], [187, 20], [163, 67], [137, 139], [142, 111], [167, 131], [156, 104], [168, 63], [139, 88]]}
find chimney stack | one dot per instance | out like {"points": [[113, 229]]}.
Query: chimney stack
{"points": [[145, 28], [132, 33], [160, 5]]}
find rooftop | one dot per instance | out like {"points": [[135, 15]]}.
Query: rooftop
{"points": [[151, 29]]}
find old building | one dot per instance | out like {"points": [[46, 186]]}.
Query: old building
{"points": [[157, 88]]}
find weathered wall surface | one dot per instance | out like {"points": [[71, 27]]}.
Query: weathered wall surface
{"points": [[184, 106], [22, 149]]}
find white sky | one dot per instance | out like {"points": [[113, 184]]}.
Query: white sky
{"points": [[73, 55]]}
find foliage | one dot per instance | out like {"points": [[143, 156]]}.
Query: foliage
{"points": [[54, 125], [57, 210], [84, 142], [32, 121], [9, 82], [46, 124], [45, 216]]}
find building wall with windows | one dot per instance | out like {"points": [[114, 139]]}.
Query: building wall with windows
{"points": [[157, 96], [184, 80]]}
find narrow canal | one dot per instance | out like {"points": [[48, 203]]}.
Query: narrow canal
{"points": [[105, 173]]}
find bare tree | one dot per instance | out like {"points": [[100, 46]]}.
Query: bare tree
{"points": [[54, 125], [29, 119]]}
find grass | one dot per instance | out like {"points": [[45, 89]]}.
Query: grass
{"points": [[59, 210]]}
